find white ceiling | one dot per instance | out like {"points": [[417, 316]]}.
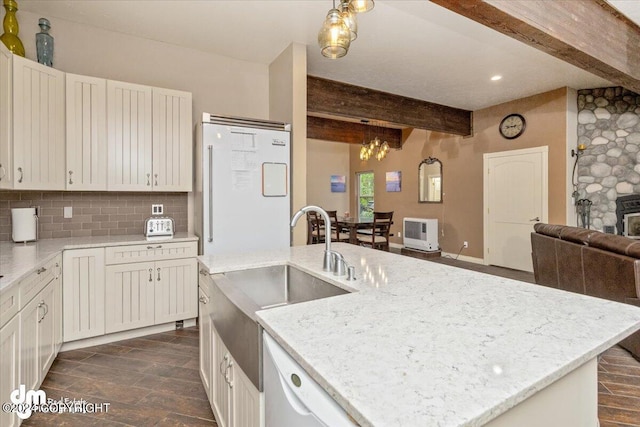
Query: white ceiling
{"points": [[410, 48]]}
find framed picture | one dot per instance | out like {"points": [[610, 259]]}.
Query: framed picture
{"points": [[338, 183], [394, 181]]}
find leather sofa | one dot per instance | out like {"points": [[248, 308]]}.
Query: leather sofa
{"points": [[589, 262]]}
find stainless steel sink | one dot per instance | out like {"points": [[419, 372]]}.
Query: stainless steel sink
{"points": [[237, 295]]}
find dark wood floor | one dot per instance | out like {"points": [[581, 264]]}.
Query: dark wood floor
{"points": [[154, 381]]}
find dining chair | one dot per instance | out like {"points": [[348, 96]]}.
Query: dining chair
{"points": [[337, 234], [379, 237], [315, 229]]}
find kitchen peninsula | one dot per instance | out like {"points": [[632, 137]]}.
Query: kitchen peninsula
{"points": [[424, 344]]}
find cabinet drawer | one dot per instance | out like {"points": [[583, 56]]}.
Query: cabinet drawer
{"points": [[152, 251], [37, 280], [9, 304]]}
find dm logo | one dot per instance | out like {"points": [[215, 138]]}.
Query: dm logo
{"points": [[26, 400]]}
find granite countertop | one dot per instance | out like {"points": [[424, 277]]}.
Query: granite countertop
{"points": [[19, 259], [425, 344]]}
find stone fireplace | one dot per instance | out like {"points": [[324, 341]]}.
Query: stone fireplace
{"points": [[626, 205], [609, 168]]}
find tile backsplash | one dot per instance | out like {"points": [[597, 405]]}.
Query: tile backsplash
{"points": [[94, 213]]}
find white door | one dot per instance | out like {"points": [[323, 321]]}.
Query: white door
{"points": [[46, 331], [86, 133], [129, 296], [515, 198], [176, 290], [29, 339], [9, 367]]}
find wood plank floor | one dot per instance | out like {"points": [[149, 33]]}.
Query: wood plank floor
{"points": [[154, 381]]}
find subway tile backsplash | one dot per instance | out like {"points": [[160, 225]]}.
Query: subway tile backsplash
{"points": [[94, 213]]}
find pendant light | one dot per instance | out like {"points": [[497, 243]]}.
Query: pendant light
{"points": [[361, 6], [334, 37], [349, 17]]}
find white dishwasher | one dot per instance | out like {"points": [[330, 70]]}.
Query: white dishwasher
{"points": [[292, 398]]}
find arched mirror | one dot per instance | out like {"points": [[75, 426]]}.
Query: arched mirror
{"points": [[430, 185]]}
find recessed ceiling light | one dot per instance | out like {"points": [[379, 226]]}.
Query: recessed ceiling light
{"points": [[496, 78]]}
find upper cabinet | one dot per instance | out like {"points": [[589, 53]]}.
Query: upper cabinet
{"points": [[6, 92], [129, 136], [86, 133], [172, 147], [38, 126]]}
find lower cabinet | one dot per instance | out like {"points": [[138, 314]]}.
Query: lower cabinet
{"points": [[9, 367], [236, 401], [205, 335]]}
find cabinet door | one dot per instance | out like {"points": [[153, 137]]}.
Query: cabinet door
{"points": [[6, 134], [83, 295], [222, 396], [30, 316], [245, 400], [9, 367], [57, 305], [129, 137], [172, 140], [176, 294], [46, 331], [204, 331], [129, 296], [86, 133], [38, 126]]}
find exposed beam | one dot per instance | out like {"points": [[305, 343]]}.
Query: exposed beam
{"points": [[341, 99], [353, 133], [589, 34]]}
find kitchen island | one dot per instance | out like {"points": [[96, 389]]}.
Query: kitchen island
{"points": [[424, 344]]}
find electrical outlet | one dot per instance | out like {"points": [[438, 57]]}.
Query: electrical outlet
{"points": [[465, 244], [399, 234], [68, 212], [157, 209]]}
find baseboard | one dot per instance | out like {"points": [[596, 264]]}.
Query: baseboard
{"points": [[124, 335], [464, 258], [395, 245]]}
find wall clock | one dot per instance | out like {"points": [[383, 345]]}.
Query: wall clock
{"points": [[512, 126]]}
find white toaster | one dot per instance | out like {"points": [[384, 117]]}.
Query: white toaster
{"points": [[159, 227]]}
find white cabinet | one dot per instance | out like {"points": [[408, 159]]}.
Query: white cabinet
{"points": [[130, 296], [86, 133], [83, 293], [172, 140], [205, 333], [142, 292], [129, 136], [38, 140], [9, 367], [237, 402], [6, 118]]}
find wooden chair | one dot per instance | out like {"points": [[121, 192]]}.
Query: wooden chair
{"points": [[337, 235], [315, 229], [379, 237]]}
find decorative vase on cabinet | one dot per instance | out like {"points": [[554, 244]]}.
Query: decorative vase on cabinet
{"points": [[44, 43], [10, 26]]}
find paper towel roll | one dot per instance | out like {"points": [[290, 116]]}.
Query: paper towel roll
{"points": [[24, 224]]}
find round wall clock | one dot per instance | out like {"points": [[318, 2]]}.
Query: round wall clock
{"points": [[512, 126]]}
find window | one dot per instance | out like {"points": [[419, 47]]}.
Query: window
{"points": [[365, 194]]}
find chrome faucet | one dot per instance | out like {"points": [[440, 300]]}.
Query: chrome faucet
{"points": [[326, 263]]}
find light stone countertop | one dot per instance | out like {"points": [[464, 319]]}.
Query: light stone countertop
{"points": [[426, 344], [18, 259]]}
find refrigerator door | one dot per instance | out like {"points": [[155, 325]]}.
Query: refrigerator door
{"points": [[245, 183]]}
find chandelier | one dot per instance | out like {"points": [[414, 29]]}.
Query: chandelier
{"points": [[377, 148], [340, 27]]}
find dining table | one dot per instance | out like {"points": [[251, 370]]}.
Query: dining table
{"points": [[353, 224]]}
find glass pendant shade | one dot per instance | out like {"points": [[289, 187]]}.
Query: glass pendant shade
{"points": [[361, 6], [334, 37], [349, 17]]}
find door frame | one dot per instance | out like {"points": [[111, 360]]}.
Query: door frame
{"points": [[544, 150]]}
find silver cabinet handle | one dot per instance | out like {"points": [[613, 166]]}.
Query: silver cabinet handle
{"points": [[154, 247], [204, 300], [210, 148], [41, 270], [156, 182], [226, 376], [21, 174], [535, 219], [151, 274], [38, 309], [226, 357], [46, 310], [4, 172], [148, 179], [158, 274], [70, 180], [204, 272]]}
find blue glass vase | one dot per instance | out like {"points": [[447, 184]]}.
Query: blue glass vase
{"points": [[44, 43]]}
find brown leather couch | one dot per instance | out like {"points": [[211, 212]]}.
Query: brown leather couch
{"points": [[591, 263]]}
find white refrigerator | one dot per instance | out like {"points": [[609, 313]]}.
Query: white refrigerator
{"points": [[242, 188]]}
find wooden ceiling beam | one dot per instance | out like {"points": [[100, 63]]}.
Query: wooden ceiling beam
{"points": [[350, 132], [589, 34], [341, 99]]}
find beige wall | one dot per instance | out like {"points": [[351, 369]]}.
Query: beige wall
{"points": [[324, 159], [220, 85], [460, 217]]}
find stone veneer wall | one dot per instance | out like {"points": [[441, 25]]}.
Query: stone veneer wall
{"points": [[609, 127], [94, 213]]}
